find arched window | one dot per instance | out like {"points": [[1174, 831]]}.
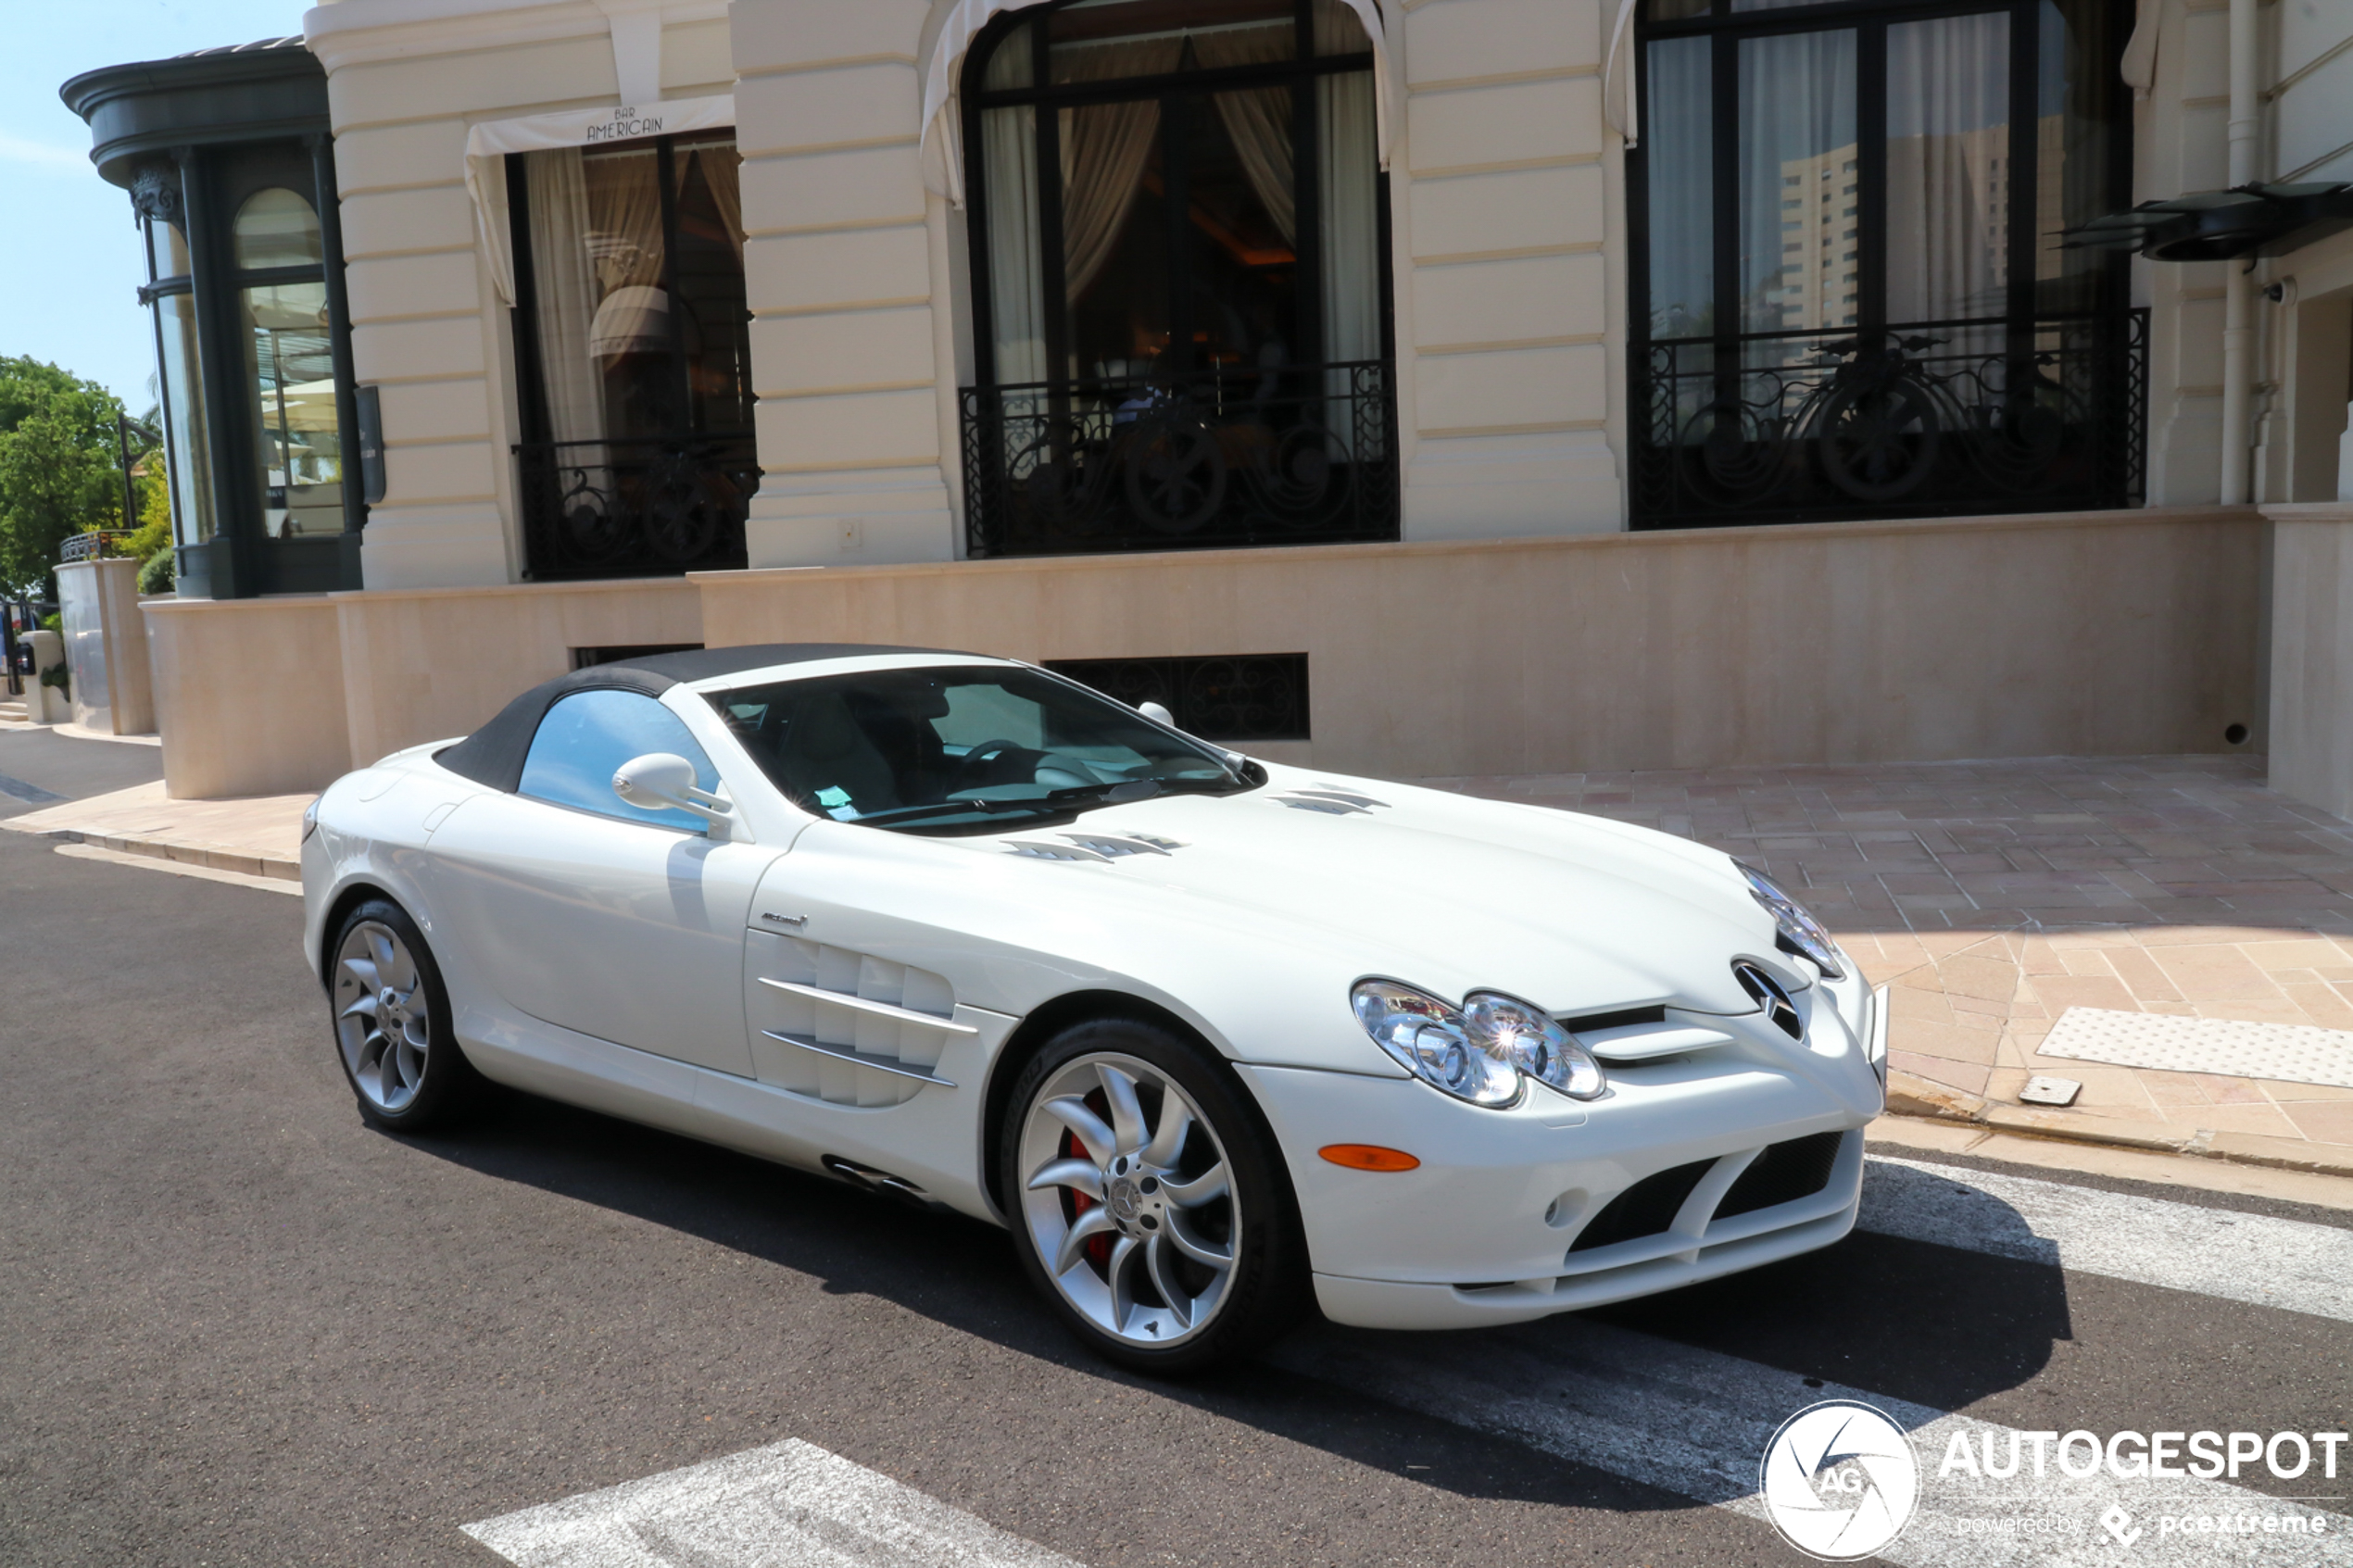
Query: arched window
{"points": [[1177, 225]]}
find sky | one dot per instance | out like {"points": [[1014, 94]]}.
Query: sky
{"points": [[69, 278]]}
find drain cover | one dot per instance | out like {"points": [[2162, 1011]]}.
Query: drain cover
{"points": [[2040, 1090]]}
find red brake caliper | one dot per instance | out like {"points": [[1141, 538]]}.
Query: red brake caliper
{"points": [[1098, 1247]]}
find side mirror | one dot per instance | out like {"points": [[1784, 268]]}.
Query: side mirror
{"points": [[663, 781], [1157, 713]]}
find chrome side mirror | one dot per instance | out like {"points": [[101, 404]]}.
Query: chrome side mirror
{"points": [[663, 781]]}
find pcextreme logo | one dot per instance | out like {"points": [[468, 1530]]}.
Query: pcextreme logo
{"points": [[1840, 1480]]}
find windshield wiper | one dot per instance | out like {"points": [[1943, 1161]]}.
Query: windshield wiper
{"points": [[1053, 803]]}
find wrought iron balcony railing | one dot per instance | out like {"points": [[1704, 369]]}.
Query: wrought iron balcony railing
{"points": [[653, 508], [94, 543], [1288, 456], [1925, 418]]}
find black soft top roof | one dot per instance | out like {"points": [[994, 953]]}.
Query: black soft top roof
{"points": [[494, 754]]}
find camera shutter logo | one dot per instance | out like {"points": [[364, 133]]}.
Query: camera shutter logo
{"points": [[1840, 1480]]}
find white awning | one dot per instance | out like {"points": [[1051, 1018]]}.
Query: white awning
{"points": [[488, 144], [943, 152]]}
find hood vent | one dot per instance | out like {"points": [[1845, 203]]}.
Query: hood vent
{"points": [[1330, 800], [1097, 847]]}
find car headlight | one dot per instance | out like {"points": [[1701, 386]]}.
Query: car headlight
{"points": [[1534, 1041], [1477, 1052], [1800, 932], [1432, 1040]]}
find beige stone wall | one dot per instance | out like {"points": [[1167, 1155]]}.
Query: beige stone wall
{"points": [[249, 695], [849, 275], [2311, 706], [2117, 633], [406, 83], [1504, 197], [2089, 633]]}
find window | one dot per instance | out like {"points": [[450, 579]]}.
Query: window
{"points": [[585, 737], [960, 750], [289, 363], [1180, 302], [1925, 345], [635, 344], [187, 453]]}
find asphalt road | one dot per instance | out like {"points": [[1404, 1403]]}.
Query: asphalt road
{"points": [[237, 1326]]}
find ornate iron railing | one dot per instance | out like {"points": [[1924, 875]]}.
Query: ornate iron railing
{"points": [[1931, 418], [1288, 456], [653, 508]]}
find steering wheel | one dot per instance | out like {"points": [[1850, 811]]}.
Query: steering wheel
{"points": [[981, 755]]}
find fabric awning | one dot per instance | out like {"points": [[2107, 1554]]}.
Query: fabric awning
{"points": [[488, 144], [943, 152]]}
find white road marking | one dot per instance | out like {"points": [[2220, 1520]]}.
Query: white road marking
{"points": [[2253, 1258], [1695, 1423], [789, 1505]]}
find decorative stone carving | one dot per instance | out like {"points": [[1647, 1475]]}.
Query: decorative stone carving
{"points": [[155, 191]]}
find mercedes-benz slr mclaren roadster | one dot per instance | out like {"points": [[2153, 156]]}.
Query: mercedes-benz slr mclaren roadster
{"points": [[1210, 1036]]}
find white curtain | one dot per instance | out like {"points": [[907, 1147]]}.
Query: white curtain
{"points": [[567, 295], [1351, 215], [1947, 166], [1258, 120], [1105, 147], [1016, 251]]}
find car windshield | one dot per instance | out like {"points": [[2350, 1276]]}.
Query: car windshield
{"points": [[963, 750]]}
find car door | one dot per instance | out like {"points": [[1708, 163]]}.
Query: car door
{"points": [[587, 912]]}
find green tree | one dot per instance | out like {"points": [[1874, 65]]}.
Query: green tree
{"points": [[58, 469]]}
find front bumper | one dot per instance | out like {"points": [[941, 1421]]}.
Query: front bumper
{"points": [[1555, 1206]]}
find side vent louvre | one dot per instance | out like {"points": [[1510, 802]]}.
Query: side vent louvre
{"points": [[1645, 1208], [843, 1026]]}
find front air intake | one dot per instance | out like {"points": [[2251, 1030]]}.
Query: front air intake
{"points": [[1784, 1173], [1645, 1208]]}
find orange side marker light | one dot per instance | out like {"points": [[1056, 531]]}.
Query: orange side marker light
{"points": [[1368, 1157]]}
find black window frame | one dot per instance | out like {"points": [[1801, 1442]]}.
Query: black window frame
{"points": [[2112, 331], [678, 501]]}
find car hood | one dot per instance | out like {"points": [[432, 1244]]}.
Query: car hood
{"points": [[1575, 914]]}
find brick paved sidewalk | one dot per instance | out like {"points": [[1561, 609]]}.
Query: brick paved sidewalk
{"points": [[1994, 895]]}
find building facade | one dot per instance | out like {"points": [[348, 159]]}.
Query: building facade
{"points": [[1134, 332]]}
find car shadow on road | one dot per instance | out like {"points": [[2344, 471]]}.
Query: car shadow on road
{"points": [[1906, 1320]]}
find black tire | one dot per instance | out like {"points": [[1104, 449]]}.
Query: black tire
{"points": [[1267, 1287], [445, 1087]]}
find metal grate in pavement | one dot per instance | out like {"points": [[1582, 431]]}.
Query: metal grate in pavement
{"points": [[2284, 1052]]}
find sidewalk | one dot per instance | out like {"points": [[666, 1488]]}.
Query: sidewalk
{"points": [[1991, 896], [255, 837]]}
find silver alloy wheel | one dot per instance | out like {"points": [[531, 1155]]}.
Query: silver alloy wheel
{"points": [[1129, 1200], [383, 1021]]}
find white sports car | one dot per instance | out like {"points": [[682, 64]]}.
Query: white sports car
{"points": [[1210, 1036]]}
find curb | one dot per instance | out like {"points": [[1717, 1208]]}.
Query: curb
{"points": [[186, 854], [1924, 1099]]}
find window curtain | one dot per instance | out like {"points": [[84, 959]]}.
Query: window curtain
{"points": [[1259, 120], [1797, 162], [1351, 215], [1104, 148], [1016, 251], [1947, 166], [567, 295], [722, 172], [624, 250]]}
